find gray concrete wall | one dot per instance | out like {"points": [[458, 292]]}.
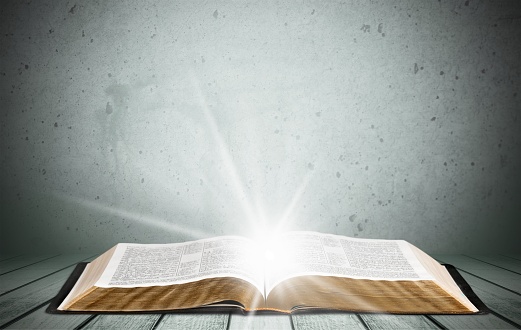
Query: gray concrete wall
{"points": [[162, 121]]}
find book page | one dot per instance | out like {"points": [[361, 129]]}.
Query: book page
{"points": [[311, 253], [139, 265]]}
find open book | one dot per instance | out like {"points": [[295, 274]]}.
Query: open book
{"points": [[297, 271]]}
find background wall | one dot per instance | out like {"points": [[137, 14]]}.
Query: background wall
{"points": [[162, 121]]}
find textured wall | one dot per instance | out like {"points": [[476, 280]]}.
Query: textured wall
{"points": [[175, 120]]}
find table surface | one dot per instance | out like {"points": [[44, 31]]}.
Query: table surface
{"points": [[29, 282]]}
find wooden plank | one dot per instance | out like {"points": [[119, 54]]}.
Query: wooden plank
{"points": [[33, 272], [509, 280], [496, 298], [24, 299], [31, 296], [253, 322], [194, 321], [39, 319], [23, 261], [387, 321], [487, 321], [5, 257], [515, 256], [499, 300], [120, 321], [326, 321], [499, 261]]}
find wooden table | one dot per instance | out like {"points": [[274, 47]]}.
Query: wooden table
{"points": [[28, 283]]}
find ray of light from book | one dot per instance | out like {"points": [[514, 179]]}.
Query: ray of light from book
{"points": [[135, 216], [263, 228], [233, 174], [285, 219], [268, 235]]}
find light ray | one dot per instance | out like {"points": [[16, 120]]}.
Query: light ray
{"points": [[134, 216], [261, 226], [283, 224], [226, 157]]}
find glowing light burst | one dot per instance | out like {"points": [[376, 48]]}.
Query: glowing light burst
{"points": [[267, 233], [272, 250], [269, 236]]}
